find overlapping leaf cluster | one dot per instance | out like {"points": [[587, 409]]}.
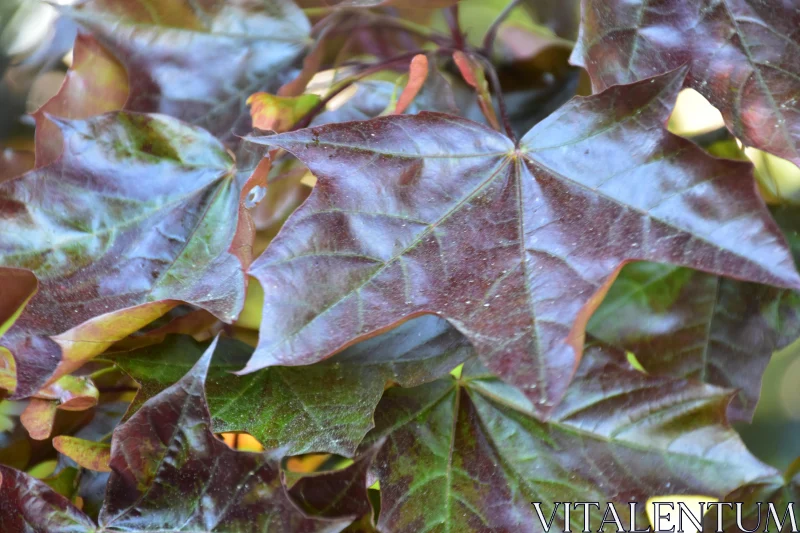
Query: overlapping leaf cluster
{"points": [[485, 290]]}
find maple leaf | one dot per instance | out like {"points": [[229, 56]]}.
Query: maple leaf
{"points": [[689, 324], [88, 454], [468, 453], [199, 61], [755, 497], [95, 84], [742, 54], [338, 493], [17, 286], [685, 323], [169, 472], [513, 245], [69, 393], [138, 213], [29, 505], [279, 113], [284, 407]]}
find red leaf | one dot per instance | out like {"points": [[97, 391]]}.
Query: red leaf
{"points": [[95, 84], [515, 246], [742, 55], [13, 163], [472, 72], [169, 472], [417, 73], [199, 61], [27, 504]]}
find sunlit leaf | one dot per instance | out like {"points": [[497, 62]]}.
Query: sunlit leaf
{"points": [[88, 454], [515, 246], [139, 212], [279, 113], [95, 84]]}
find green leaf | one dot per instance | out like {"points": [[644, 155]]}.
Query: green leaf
{"points": [[169, 473], [141, 211], [688, 324], [64, 481], [469, 455], [321, 408]]}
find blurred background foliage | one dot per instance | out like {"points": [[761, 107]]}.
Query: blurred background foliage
{"points": [[532, 46]]}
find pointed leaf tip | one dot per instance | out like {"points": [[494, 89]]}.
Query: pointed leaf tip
{"points": [[754, 91], [200, 369]]}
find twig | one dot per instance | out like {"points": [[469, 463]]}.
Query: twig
{"points": [[491, 33], [371, 69], [451, 15]]}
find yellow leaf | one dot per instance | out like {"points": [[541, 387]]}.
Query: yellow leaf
{"points": [[88, 454], [279, 113]]}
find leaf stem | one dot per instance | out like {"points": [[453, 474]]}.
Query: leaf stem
{"points": [[451, 16], [491, 33], [494, 81], [371, 69], [412, 27]]}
